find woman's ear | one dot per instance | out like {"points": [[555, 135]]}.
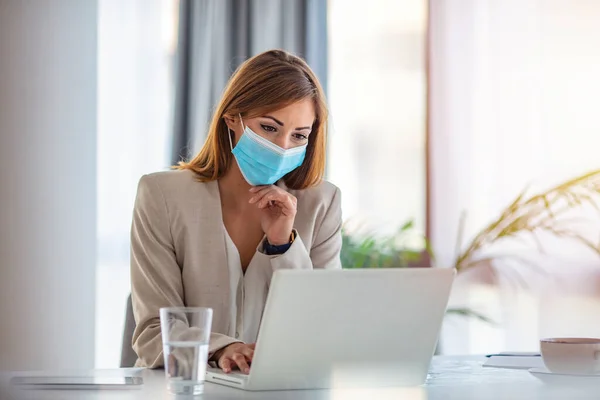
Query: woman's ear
{"points": [[230, 121]]}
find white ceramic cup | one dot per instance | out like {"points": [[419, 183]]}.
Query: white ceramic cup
{"points": [[571, 355]]}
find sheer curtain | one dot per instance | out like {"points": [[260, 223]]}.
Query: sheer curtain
{"points": [[136, 47], [216, 36], [514, 87]]}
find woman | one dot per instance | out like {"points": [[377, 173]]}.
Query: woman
{"points": [[211, 232]]}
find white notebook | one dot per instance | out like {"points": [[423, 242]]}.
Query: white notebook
{"points": [[514, 362], [78, 382]]}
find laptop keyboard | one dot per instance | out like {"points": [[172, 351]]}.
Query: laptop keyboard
{"points": [[238, 375], [233, 375]]}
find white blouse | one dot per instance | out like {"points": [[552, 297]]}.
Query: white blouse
{"points": [[248, 295]]}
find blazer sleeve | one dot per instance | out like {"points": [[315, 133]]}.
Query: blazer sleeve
{"points": [[156, 279], [326, 248]]}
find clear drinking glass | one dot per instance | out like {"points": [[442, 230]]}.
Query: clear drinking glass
{"points": [[185, 336]]}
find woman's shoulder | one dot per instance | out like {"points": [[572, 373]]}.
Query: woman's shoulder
{"points": [[175, 183], [325, 193], [323, 189], [173, 177]]}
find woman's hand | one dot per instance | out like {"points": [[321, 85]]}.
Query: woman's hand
{"points": [[236, 355], [278, 212]]}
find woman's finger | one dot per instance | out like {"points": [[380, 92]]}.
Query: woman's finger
{"points": [[269, 198], [258, 196], [287, 204], [282, 199], [256, 189], [263, 190], [248, 352], [225, 364], [291, 202], [240, 360]]}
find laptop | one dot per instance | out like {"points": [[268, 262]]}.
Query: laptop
{"points": [[362, 328]]}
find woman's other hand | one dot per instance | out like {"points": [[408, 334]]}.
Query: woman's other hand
{"points": [[236, 355]]}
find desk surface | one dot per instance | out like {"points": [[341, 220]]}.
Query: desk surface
{"points": [[450, 378]]}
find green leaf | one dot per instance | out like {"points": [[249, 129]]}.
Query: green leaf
{"points": [[429, 249], [407, 226], [411, 256], [467, 312], [371, 251]]}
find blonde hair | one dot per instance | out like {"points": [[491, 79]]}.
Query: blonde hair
{"points": [[267, 82]]}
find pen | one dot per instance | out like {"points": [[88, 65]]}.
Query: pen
{"points": [[522, 354]]}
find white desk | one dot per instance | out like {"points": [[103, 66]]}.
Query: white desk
{"points": [[450, 378]]}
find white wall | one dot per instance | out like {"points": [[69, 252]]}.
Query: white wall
{"points": [[47, 183]]}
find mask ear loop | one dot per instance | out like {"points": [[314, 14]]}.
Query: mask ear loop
{"points": [[229, 131], [229, 136]]}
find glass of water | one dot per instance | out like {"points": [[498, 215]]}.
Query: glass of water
{"points": [[185, 336]]}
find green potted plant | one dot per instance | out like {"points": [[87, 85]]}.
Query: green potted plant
{"points": [[400, 250], [546, 211]]}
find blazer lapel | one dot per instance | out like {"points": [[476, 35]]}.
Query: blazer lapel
{"points": [[213, 264]]}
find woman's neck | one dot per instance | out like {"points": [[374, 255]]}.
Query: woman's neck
{"points": [[234, 190]]}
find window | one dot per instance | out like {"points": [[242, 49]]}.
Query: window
{"points": [[377, 94], [513, 89], [136, 48]]}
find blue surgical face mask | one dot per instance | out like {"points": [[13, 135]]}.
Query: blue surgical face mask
{"points": [[261, 161]]}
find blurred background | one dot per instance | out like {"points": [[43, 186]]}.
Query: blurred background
{"points": [[442, 113]]}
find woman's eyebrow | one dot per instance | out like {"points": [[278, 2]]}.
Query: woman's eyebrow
{"points": [[278, 122], [274, 119]]}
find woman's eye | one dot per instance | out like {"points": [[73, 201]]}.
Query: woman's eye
{"points": [[268, 128], [299, 136]]}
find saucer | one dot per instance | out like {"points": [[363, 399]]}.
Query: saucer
{"points": [[549, 377]]}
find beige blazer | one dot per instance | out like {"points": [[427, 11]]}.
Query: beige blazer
{"points": [[178, 255]]}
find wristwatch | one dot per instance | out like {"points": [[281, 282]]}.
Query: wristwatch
{"points": [[272, 250]]}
